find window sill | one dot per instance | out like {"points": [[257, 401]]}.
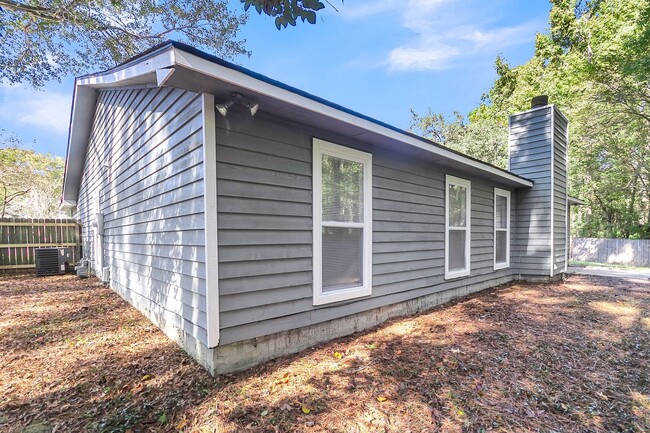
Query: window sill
{"points": [[341, 295], [456, 274]]}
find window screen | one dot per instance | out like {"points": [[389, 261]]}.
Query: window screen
{"points": [[457, 236], [342, 258], [457, 250], [342, 222], [501, 228]]}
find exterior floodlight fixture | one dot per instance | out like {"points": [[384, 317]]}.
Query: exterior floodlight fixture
{"points": [[223, 108], [253, 108], [237, 98]]}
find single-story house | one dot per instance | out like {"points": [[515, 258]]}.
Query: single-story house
{"points": [[249, 219]]}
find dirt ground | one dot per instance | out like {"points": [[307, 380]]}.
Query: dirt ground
{"points": [[564, 357]]}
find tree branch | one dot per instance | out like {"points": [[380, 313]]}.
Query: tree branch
{"points": [[35, 11]]}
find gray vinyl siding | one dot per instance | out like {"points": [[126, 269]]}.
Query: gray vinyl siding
{"points": [[560, 190], [144, 173], [265, 228], [530, 157]]}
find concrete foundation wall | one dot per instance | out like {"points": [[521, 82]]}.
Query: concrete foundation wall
{"points": [[244, 354]]}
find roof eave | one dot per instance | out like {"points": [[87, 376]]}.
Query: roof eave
{"points": [[137, 71], [574, 201], [145, 69], [257, 83]]}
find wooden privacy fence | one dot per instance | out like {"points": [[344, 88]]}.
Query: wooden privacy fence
{"points": [[632, 252], [20, 236]]}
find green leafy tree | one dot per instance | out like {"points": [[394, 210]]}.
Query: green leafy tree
{"points": [[482, 138], [30, 182], [48, 39], [594, 63], [287, 12]]}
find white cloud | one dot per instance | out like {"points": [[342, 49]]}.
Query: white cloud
{"points": [[418, 14], [368, 9], [430, 58], [46, 110], [500, 37], [444, 31]]}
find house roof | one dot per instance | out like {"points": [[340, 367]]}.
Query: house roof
{"points": [[174, 64], [574, 201]]}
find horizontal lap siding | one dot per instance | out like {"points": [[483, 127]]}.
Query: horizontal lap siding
{"points": [[264, 219], [265, 229], [560, 192], [408, 226], [144, 173], [530, 156]]}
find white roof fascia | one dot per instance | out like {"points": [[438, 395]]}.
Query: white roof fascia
{"points": [[83, 108], [162, 75], [238, 78], [137, 68]]}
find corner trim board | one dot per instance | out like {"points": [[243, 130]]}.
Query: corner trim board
{"points": [[552, 267], [210, 216], [567, 235]]}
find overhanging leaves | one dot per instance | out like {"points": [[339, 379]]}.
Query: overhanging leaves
{"points": [[48, 39]]}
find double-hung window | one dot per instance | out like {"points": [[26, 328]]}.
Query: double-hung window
{"points": [[501, 228], [342, 233], [457, 227]]}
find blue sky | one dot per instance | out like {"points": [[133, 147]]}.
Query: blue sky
{"points": [[380, 57]]}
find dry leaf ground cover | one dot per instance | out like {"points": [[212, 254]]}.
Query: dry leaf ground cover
{"points": [[563, 357]]}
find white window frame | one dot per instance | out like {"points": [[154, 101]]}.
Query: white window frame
{"points": [[506, 194], [320, 148], [452, 180]]}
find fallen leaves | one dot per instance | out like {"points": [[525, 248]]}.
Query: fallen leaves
{"points": [[525, 358], [98, 364], [180, 425]]}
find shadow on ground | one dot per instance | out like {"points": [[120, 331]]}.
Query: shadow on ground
{"points": [[78, 358], [564, 357]]}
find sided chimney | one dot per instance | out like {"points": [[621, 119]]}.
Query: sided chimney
{"points": [[538, 140]]}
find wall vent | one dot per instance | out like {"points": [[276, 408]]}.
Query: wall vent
{"points": [[106, 274]]}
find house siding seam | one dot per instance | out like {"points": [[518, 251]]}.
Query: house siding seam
{"points": [[265, 228], [144, 164]]}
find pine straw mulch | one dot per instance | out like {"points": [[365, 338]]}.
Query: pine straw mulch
{"points": [[563, 357]]}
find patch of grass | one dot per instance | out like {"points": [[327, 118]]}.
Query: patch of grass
{"points": [[580, 264]]}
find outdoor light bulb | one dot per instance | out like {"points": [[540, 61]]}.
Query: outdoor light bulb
{"points": [[223, 108], [253, 108]]}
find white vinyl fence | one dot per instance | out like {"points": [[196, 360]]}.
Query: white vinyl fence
{"points": [[632, 252]]}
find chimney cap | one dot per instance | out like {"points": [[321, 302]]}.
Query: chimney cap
{"points": [[539, 101]]}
